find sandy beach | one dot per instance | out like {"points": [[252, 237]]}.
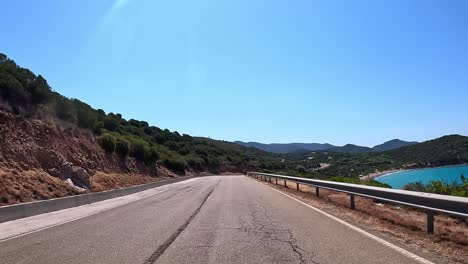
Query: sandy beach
{"points": [[372, 176]]}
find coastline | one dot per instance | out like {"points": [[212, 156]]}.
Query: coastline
{"points": [[374, 175]]}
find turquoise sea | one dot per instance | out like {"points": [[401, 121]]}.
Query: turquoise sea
{"points": [[399, 179]]}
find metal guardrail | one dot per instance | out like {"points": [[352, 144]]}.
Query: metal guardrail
{"points": [[428, 202]]}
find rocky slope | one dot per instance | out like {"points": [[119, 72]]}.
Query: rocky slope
{"points": [[44, 159]]}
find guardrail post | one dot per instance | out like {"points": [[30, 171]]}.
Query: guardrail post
{"points": [[297, 186], [430, 222], [276, 181], [352, 201], [317, 193], [285, 185], [270, 179]]}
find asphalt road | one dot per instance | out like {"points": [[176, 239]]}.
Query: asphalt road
{"points": [[217, 219]]}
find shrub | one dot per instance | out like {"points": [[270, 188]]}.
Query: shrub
{"points": [[151, 155], [85, 119], [12, 90], [183, 151], [110, 123], [122, 147], [441, 187], [171, 145], [64, 109], [137, 149], [175, 164], [107, 142], [195, 162], [213, 161]]}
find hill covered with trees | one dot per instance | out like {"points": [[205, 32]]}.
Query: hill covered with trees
{"points": [[285, 148], [29, 95], [393, 144]]}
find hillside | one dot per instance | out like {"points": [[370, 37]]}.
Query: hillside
{"points": [[47, 134], [350, 148], [54, 146], [281, 148], [393, 144], [326, 164], [446, 150]]}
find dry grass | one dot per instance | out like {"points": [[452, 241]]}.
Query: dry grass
{"points": [[406, 225], [20, 186], [31, 185]]}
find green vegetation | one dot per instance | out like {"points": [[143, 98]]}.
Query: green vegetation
{"points": [[24, 93], [27, 94], [441, 187], [447, 150]]}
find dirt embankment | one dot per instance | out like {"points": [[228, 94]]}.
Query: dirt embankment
{"points": [[37, 157]]}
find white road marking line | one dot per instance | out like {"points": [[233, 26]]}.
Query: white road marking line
{"points": [[359, 230]]}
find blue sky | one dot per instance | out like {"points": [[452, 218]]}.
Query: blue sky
{"points": [[341, 72]]}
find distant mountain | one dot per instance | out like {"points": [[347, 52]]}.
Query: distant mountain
{"points": [[446, 150], [281, 148], [350, 148], [393, 144]]}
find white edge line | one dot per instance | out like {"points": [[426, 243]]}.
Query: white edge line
{"points": [[61, 223], [359, 230]]}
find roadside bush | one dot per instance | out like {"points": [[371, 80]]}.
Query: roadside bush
{"points": [[171, 145], [441, 187], [175, 164], [122, 147], [137, 149], [213, 161], [107, 142], [195, 162], [183, 151], [151, 155], [110, 123]]}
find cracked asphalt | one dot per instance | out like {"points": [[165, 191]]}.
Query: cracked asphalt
{"points": [[216, 219]]}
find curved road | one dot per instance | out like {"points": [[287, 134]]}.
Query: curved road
{"points": [[216, 219]]}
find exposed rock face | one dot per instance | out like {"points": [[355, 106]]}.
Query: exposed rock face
{"points": [[65, 171], [76, 174], [49, 159], [57, 149], [80, 177]]}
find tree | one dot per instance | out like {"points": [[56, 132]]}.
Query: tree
{"points": [[40, 91], [64, 109], [110, 123]]}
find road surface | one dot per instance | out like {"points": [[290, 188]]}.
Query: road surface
{"points": [[216, 219]]}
